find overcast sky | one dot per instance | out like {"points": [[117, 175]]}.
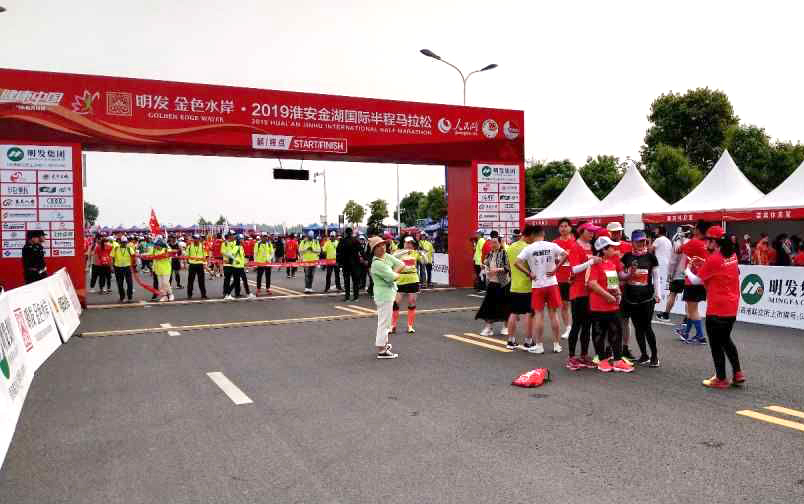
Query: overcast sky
{"points": [[585, 74]]}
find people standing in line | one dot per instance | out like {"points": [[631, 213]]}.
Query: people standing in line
{"points": [[566, 240], [162, 265], [427, 250], [385, 270], [581, 257], [310, 250], [348, 255], [641, 279], [264, 253], [33, 257], [407, 283], [228, 253], [330, 250], [175, 264], [239, 264], [122, 254], [477, 257], [496, 305], [291, 254], [720, 275], [520, 292], [605, 297], [539, 261], [695, 252], [197, 255]]}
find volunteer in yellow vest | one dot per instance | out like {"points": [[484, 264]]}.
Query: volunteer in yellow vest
{"points": [[329, 248], [162, 268], [122, 254], [427, 251], [520, 291], [196, 259], [478, 259], [227, 253], [310, 251], [239, 265], [264, 253], [408, 282]]}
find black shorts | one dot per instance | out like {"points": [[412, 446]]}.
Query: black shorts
{"points": [[411, 288], [677, 286], [694, 293], [521, 303], [564, 288]]}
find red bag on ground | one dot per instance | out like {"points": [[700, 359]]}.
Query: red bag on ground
{"points": [[533, 378]]}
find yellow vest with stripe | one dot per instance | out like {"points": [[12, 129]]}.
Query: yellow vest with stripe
{"points": [[162, 267], [263, 252], [194, 250], [227, 251], [239, 254], [122, 255], [330, 248], [310, 249], [479, 251]]}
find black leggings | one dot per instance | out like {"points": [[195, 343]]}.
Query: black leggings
{"points": [[263, 270], [581, 325], [719, 331], [641, 315], [607, 326]]}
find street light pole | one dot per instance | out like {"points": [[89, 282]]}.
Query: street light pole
{"points": [[323, 174], [431, 54]]}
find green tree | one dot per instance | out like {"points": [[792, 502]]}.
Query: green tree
{"points": [[601, 174], [697, 122], [670, 173], [766, 164], [378, 212], [203, 222], [221, 221], [354, 212], [545, 181], [409, 208], [434, 204], [91, 213]]}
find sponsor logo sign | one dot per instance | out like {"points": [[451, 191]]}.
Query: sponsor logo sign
{"points": [[17, 177], [9, 202], [55, 202]]}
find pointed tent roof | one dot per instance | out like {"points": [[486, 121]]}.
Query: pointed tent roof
{"points": [[575, 199], [787, 194], [632, 195], [724, 187]]}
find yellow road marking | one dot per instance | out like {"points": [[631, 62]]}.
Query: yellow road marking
{"points": [[350, 310], [772, 419], [477, 343], [363, 309], [484, 338], [286, 291], [786, 411], [253, 323]]}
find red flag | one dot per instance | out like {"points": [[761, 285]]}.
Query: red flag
{"points": [[153, 223]]}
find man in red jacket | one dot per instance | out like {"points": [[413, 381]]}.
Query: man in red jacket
{"points": [[292, 254]]}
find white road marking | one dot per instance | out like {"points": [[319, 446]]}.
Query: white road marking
{"points": [[476, 295], [168, 325], [663, 323], [230, 389]]}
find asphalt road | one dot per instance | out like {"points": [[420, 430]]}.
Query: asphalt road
{"points": [[133, 417]]}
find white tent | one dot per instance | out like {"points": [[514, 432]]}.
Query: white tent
{"points": [[632, 195], [575, 199], [788, 194], [724, 187]]}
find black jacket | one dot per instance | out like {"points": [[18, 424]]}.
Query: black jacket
{"points": [[347, 255]]}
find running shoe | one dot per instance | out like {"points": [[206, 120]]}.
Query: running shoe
{"points": [[268, 292], [171, 298], [163, 299], [627, 354], [557, 348], [536, 348], [511, 345], [387, 353], [654, 362], [586, 362], [487, 331], [605, 366], [411, 330], [595, 360], [696, 340], [525, 346], [682, 334], [228, 297], [573, 364], [308, 291], [739, 378], [643, 360], [623, 366], [565, 334], [715, 382], [251, 296], [504, 331]]}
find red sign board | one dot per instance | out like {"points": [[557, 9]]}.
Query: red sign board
{"points": [[135, 115]]}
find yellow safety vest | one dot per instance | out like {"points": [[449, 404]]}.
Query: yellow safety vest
{"points": [[239, 257], [330, 249], [122, 255], [479, 251], [428, 250], [310, 250], [227, 251], [263, 252], [161, 266], [194, 250]]}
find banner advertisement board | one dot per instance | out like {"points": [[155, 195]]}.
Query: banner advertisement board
{"points": [[499, 205], [64, 310], [32, 314], [441, 269]]}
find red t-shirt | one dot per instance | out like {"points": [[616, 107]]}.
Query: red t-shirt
{"points": [[772, 256], [721, 278], [579, 255], [248, 248], [564, 271], [216, 247], [103, 254], [605, 274], [694, 248], [798, 259], [292, 249], [624, 248], [486, 250]]}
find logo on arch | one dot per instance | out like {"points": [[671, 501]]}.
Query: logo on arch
{"points": [[15, 154], [752, 289], [486, 171], [444, 125], [511, 130]]}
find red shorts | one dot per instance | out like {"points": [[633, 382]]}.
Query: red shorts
{"points": [[545, 295]]}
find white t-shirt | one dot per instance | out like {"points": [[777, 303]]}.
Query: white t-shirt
{"points": [[663, 250], [541, 258]]}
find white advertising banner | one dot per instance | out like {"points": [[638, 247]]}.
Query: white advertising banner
{"points": [[32, 312], [441, 269], [498, 206], [64, 312], [15, 375]]}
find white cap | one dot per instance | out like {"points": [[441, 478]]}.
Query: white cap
{"points": [[614, 226], [332, 233], [605, 241], [310, 234], [409, 238]]}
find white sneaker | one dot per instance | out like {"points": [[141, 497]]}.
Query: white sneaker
{"points": [[411, 330], [556, 347], [171, 298], [307, 291], [93, 291], [228, 297], [387, 353], [565, 334], [487, 331], [537, 348], [163, 299], [504, 331], [251, 296]]}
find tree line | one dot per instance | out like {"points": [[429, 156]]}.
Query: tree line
{"points": [[687, 134]]}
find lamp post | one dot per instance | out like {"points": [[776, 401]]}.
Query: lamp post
{"points": [[323, 175], [431, 54]]}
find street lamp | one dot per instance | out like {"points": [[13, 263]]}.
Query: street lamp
{"points": [[431, 54], [323, 175]]}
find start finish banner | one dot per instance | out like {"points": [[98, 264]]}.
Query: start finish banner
{"points": [[109, 113]]}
